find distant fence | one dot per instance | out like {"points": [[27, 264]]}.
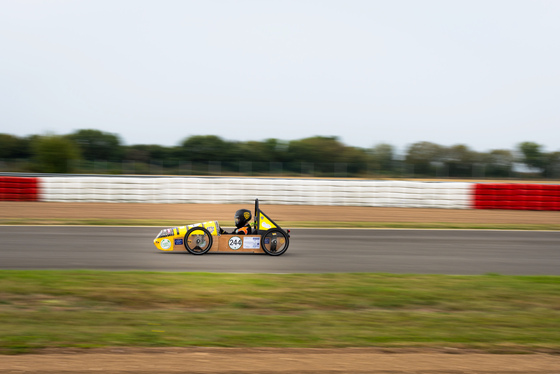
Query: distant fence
{"points": [[223, 190], [301, 169]]}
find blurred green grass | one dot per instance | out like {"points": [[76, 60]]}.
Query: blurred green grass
{"points": [[40, 309], [288, 224]]}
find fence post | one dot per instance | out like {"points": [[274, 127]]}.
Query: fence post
{"points": [[307, 168], [186, 168], [245, 167], [214, 167], [340, 169]]}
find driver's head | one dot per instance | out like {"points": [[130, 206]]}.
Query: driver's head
{"points": [[242, 216]]}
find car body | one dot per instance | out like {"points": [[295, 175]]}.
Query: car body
{"points": [[200, 238]]}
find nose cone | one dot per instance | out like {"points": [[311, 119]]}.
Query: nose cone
{"points": [[157, 240], [163, 240]]}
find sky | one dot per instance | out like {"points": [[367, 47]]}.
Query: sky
{"points": [[481, 73]]}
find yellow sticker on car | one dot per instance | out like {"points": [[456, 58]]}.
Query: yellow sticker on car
{"points": [[265, 223]]}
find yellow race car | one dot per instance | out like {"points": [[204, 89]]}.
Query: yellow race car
{"points": [[265, 236]]}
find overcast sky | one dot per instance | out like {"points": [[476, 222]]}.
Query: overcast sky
{"points": [[482, 73]]}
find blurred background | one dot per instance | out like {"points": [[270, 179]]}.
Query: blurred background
{"points": [[371, 89], [90, 151]]}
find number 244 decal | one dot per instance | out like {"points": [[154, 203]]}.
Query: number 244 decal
{"points": [[235, 242]]}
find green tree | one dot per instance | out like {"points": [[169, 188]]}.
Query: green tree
{"points": [[382, 157], [533, 156], [137, 153], [276, 150], [8, 145], [156, 152], [423, 155], [54, 154], [316, 149], [253, 151], [357, 159], [98, 145], [324, 152], [459, 160], [552, 165], [202, 148], [262, 153], [13, 147], [498, 163], [321, 151]]}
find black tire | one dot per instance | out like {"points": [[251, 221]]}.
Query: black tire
{"points": [[275, 242], [200, 243]]}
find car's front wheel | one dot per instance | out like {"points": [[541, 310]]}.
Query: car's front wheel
{"points": [[198, 240]]}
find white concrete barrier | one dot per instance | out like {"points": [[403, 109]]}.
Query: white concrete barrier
{"points": [[224, 190]]}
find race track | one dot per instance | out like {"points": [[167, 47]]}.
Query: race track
{"points": [[311, 251]]}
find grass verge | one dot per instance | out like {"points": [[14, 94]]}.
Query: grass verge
{"points": [[86, 309], [288, 224]]}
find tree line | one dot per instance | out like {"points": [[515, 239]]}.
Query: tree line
{"points": [[94, 151]]}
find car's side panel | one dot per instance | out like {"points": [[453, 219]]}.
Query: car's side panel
{"points": [[237, 243], [174, 241], [171, 243]]}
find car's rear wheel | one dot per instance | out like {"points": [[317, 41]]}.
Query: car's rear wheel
{"points": [[275, 242], [198, 240]]}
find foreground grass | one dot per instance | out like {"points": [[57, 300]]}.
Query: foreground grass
{"points": [[86, 309], [288, 224]]}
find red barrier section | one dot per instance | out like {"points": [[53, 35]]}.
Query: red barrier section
{"points": [[516, 196], [19, 189]]}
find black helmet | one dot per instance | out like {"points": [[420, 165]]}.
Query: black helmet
{"points": [[242, 216]]}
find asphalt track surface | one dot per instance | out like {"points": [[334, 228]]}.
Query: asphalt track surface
{"points": [[311, 251]]}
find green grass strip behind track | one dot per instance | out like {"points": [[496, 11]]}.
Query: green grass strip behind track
{"points": [[41, 309]]}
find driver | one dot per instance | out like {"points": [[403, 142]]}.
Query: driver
{"points": [[242, 225]]}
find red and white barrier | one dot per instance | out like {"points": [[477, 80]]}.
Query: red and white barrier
{"points": [[19, 189], [225, 190], [517, 196]]}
